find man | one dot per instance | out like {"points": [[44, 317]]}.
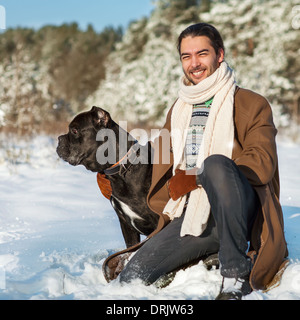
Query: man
{"points": [[221, 188]]}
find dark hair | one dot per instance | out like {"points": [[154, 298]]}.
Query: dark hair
{"points": [[203, 29]]}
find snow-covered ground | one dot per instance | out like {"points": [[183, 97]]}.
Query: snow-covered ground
{"points": [[56, 229]]}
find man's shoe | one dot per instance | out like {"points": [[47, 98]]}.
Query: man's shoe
{"points": [[234, 289]]}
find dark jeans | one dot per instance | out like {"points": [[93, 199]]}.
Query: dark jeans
{"points": [[234, 206]]}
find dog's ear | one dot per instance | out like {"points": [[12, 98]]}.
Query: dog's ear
{"points": [[101, 118]]}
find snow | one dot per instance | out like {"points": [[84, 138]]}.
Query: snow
{"points": [[56, 230]]}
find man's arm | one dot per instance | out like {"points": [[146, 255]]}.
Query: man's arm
{"points": [[256, 134]]}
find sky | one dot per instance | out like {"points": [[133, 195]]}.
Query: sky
{"points": [[99, 13]]}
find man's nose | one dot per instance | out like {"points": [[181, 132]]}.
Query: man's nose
{"points": [[195, 61]]}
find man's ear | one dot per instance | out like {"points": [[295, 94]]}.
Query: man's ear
{"points": [[101, 118], [221, 56]]}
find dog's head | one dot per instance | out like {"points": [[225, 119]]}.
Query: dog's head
{"points": [[79, 146]]}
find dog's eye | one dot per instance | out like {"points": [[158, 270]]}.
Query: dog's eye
{"points": [[74, 131]]}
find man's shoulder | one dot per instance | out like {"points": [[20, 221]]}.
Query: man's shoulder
{"points": [[249, 102], [168, 118], [246, 95]]}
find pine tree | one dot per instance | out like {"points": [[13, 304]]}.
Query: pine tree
{"points": [[48, 74]]}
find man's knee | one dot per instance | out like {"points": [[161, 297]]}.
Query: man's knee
{"points": [[215, 168]]}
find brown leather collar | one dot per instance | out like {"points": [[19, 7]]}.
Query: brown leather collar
{"points": [[129, 157]]}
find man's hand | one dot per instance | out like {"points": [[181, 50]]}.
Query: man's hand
{"points": [[104, 185], [182, 183]]}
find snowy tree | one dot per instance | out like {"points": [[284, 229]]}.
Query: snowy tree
{"points": [[50, 74], [47, 74], [262, 46], [21, 84]]}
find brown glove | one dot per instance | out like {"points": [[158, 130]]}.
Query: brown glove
{"points": [[182, 183], [104, 185]]}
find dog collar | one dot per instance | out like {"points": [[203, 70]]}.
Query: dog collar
{"points": [[130, 157]]}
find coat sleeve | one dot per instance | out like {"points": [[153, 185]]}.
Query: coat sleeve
{"points": [[256, 135], [158, 195]]}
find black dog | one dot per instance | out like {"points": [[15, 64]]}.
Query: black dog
{"points": [[130, 179]]}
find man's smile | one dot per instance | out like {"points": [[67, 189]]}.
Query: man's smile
{"points": [[197, 74]]}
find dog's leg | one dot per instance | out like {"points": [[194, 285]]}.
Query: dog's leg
{"points": [[131, 236]]}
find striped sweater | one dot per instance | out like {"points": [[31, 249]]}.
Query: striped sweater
{"points": [[195, 132]]}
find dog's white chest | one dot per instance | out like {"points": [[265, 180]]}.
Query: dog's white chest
{"points": [[129, 213]]}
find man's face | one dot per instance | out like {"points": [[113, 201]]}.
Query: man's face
{"points": [[199, 59]]}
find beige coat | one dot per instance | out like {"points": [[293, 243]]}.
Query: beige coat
{"points": [[255, 153]]}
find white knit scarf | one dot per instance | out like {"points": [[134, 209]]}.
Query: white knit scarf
{"points": [[217, 139]]}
